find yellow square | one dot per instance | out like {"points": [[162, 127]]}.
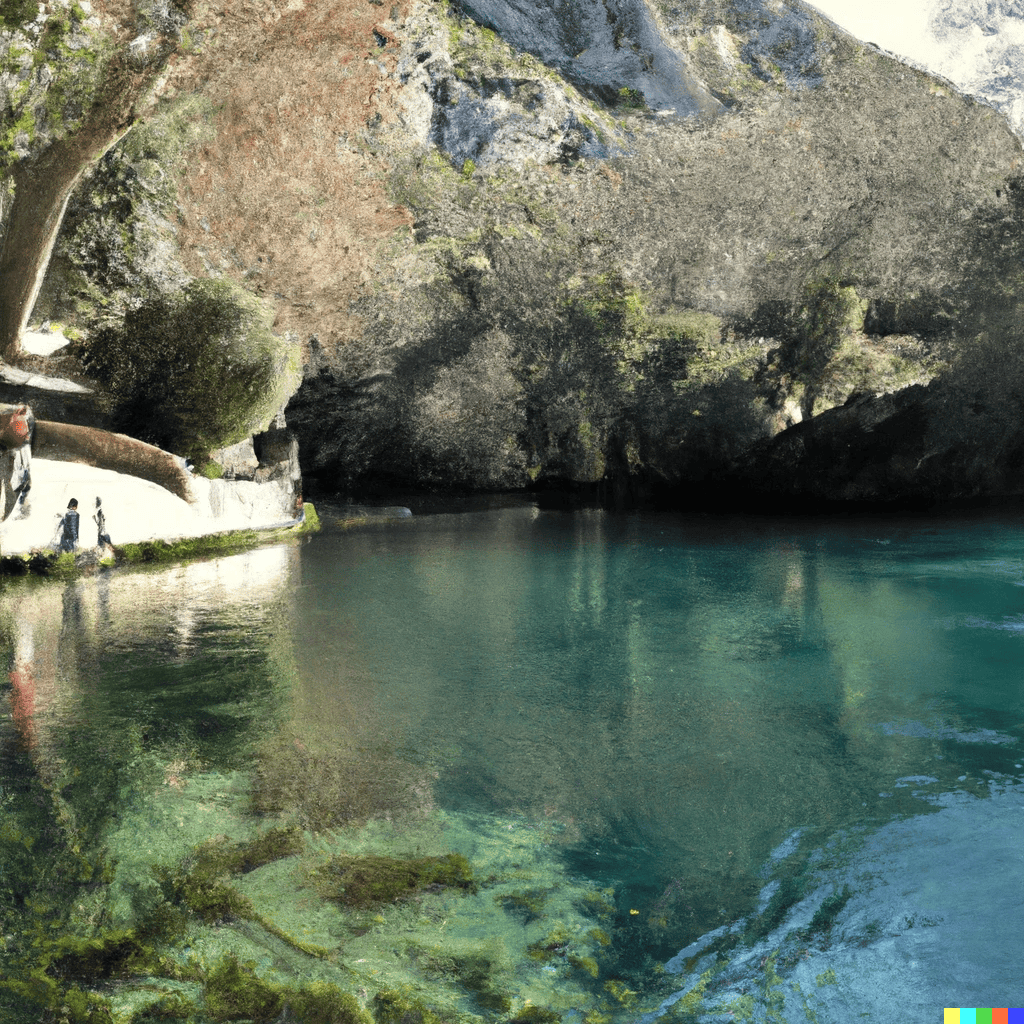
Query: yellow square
{"points": [[951, 1016]]}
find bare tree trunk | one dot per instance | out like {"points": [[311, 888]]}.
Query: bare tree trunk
{"points": [[42, 187], [65, 442]]}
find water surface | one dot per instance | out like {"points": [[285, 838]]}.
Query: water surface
{"points": [[651, 704]]}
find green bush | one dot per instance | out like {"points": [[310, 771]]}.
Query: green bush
{"points": [[194, 370], [15, 13]]}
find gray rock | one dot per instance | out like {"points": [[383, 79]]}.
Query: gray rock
{"points": [[238, 461], [602, 47], [476, 100]]}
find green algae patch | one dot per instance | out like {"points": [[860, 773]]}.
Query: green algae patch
{"points": [[481, 969], [331, 789], [390, 1007], [322, 1003], [169, 1008], [599, 903], [221, 855], [535, 1015], [234, 991], [554, 944], [826, 914], [584, 963], [207, 545], [201, 883], [370, 881], [102, 956], [526, 905]]}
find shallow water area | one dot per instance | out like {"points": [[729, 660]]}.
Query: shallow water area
{"points": [[688, 761]]}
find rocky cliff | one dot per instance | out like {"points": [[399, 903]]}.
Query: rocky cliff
{"points": [[524, 244]]}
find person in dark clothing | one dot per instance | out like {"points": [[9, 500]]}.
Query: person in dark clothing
{"points": [[69, 527], [102, 537]]}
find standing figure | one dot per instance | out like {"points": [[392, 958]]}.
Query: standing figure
{"points": [[102, 537], [16, 425], [69, 527]]}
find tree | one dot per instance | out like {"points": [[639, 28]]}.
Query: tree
{"points": [[97, 87], [828, 312]]}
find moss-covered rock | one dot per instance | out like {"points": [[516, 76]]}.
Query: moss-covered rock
{"points": [[50, 70], [117, 239]]}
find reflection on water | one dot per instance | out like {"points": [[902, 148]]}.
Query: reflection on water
{"points": [[650, 704], [679, 693]]}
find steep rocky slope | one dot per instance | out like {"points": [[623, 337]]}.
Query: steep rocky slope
{"points": [[524, 246]]}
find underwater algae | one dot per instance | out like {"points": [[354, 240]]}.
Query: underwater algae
{"points": [[174, 900]]}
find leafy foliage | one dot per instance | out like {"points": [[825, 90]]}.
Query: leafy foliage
{"points": [[15, 13], [194, 370], [521, 359], [982, 393], [830, 310]]}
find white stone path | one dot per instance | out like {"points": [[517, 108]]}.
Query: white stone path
{"points": [[138, 510]]}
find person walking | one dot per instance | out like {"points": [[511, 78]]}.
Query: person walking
{"points": [[69, 527], [102, 537]]}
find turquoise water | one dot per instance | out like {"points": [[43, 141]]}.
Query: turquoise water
{"points": [[681, 692], [650, 704]]}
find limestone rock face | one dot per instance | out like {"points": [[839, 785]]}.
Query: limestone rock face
{"points": [[468, 93], [116, 241], [531, 244], [542, 324], [602, 47], [47, 73]]}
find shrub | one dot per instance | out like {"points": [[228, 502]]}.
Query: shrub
{"points": [[194, 370], [829, 312], [15, 13]]}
